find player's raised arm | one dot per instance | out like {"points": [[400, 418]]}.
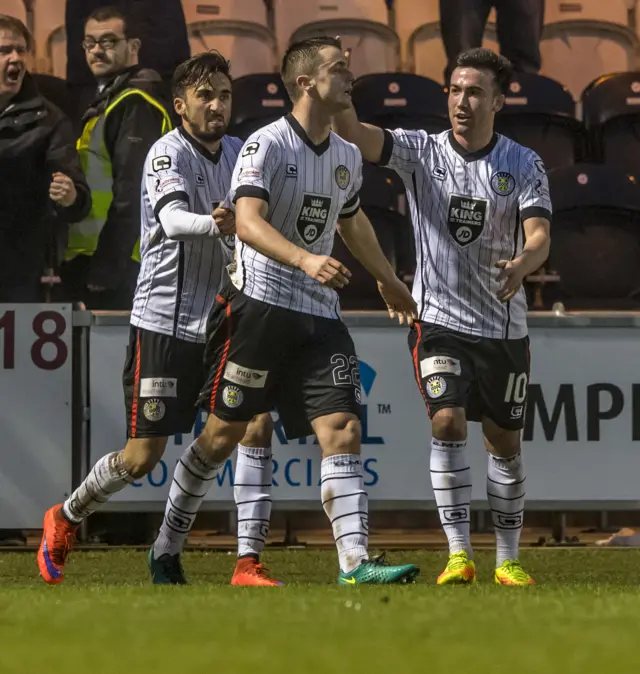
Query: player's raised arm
{"points": [[368, 138], [360, 238]]}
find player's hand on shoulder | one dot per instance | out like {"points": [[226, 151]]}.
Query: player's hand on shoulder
{"points": [[398, 299], [326, 270], [510, 277], [225, 220]]}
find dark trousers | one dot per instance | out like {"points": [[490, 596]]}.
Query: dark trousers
{"points": [[520, 23], [73, 288]]}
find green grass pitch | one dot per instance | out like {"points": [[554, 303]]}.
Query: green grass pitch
{"points": [[582, 617]]}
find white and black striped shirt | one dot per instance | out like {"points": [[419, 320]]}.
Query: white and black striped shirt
{"points": [[467, 211], [179, 279], [308, 188]]}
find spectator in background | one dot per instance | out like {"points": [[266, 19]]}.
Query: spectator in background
{"points": [[121, 124], [520, 23], [40, 172]]}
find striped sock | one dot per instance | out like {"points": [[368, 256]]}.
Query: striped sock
{"points": [[451, 482], [108, 476], [505, 492], [252, 494], [347, 506], [191, 481]]}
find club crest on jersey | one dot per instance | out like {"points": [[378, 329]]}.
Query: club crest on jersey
{"points": [[154, 409], [232, 396], [436, 386], [313, 217], [466, 218], [342, 177], [503, 183]]}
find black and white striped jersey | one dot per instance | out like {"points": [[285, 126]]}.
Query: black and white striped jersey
{"points": [[308, 188], [179, 279], [467, 211]]}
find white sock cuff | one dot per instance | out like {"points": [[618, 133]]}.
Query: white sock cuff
{"points": [[119, 468], [507, 463], [342, 464], [448, 445], [254, 452], [197, 459]]}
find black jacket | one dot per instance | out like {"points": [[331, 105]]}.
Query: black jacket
{"points": [[36, 140], [131, 129]]}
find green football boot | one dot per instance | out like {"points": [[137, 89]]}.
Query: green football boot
{"points": [[378, 572], [166, 570]]}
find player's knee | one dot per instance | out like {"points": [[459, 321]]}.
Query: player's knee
{"points": [[500, 442], [259, 432], [219, 437], [449, 425], [338, 434], [141, 455]]}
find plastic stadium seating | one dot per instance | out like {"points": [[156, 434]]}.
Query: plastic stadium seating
{"points": [[401, 100], [14, 8], [615, 11], [595, 245], [539, 113], [611, 111], [577, 52], [236, 28], [425, 50], [258, 100], [362, 25]]}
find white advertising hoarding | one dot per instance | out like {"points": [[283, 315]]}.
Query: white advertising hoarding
{"points": [[35, 411], [580, 440]]}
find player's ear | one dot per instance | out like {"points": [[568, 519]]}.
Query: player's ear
{"points": [[179, 106], [498, 102], [304, 82]]}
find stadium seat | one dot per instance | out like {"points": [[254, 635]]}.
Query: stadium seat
{"points": [[425, 53], [225, 10], [611, 112], [362, 25], [595, 245], [49, 15], [401, 100], [15, 8], [615, 11], [251, 47], [258, 100], [540, 113], [578, 52]]}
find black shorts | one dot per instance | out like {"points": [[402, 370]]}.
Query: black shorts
{"points": [[261, 357], [487, 377], [162, 379]]}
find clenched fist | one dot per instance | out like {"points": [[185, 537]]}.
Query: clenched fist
{"points": [[62, 190]]}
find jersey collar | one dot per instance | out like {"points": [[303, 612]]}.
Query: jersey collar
{"points": [[319, 149], [472, 156], [199, 147]]}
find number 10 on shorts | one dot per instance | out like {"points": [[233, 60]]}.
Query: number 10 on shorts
{"points": [[516, 388]]}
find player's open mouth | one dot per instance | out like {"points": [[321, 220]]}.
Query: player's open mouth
{"points": [[461, 117]]}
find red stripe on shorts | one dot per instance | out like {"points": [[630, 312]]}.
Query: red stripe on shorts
{"points": [[223, 361], [136, 388], [416, 365]]}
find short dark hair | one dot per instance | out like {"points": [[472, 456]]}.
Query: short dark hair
{"points": [[486, 59], [13, 25], [301, 58], [101, 14], [197, 70]]}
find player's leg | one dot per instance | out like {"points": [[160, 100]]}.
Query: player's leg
{"points": [[443, 374], [504, 380], [252, 494], [326, 389], [232, 354], [151, 415]]}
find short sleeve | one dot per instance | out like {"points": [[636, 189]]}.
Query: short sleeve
{"points": [[534, 199], [401, 149], [255, 168], [165, 176], [352, 204]]}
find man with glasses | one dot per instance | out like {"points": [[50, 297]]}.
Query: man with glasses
{"points": [[120, 126]]}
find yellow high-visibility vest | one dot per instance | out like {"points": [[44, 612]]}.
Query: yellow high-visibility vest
{"points": [[98, 170]]}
